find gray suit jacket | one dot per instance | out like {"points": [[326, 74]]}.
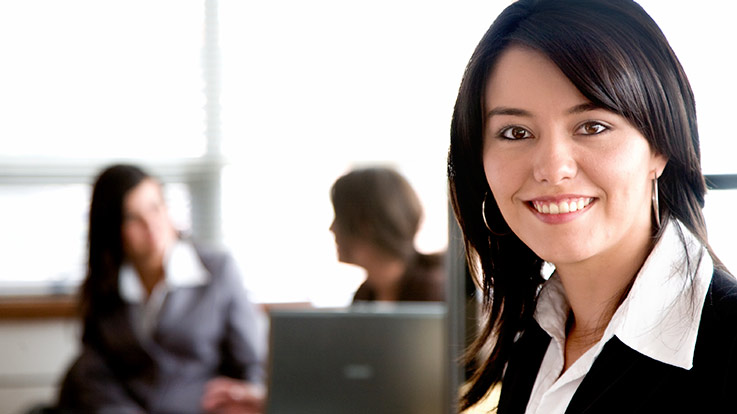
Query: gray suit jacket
{"points": [[203, 331]]}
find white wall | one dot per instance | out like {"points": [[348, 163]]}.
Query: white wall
{"points": [[34, 354]]}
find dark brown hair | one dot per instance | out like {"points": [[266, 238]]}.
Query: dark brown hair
{"points": [[100, 294], [378, 205], [619, 59]]}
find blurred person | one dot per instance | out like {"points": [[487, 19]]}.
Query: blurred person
{"points": [[167, 325], [377, 216]]}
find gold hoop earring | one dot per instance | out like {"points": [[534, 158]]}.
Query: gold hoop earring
{"points": [[656, 203], [486, 223]]}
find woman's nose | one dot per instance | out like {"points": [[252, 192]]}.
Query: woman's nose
{"points": [[554, 159], [152, 223]]}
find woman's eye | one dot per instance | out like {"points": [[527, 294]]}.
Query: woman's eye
{"points": [[592, 128], [129, 219], [515, 133]]}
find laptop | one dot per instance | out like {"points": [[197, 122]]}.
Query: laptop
{"points": [[376, 358]]}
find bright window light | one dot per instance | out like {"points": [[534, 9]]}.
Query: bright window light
{"points": [[89, 78], [307, 91]]}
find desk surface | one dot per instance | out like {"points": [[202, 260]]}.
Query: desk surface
{"points": [[36, 307]]}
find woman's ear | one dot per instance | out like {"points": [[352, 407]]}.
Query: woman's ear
{"points": [[659, 162]]}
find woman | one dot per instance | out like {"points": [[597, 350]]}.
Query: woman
{"points": [[574, 142], [167, 327], [377, 216]]}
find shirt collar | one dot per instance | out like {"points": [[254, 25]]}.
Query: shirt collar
{"points": [[552, 309], [182, 268], [660, 316]]}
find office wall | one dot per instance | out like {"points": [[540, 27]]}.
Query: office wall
{"points": [[34, 354]]}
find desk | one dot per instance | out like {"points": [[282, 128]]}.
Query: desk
{"points": [[38, 307]]}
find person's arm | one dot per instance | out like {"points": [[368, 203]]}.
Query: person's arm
{"points": [[224, 395], [240, 389], [244, 342]]}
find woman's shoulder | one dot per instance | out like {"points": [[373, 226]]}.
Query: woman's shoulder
{"points": [[425, 279], [430, 262], [718, 325], [427, 268], [219, 264], [721, 300], [212, 258], [715, 359], [209, 255]]}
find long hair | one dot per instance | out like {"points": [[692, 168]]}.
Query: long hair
{"points": [[618, 58], [379, 206], [100, 295]]}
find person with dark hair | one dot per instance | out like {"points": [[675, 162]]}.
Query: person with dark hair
{"points": [[167, 325], [574, 143], [377, 216]]}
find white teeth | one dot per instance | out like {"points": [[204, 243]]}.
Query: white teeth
{"points": [[565, 206]]}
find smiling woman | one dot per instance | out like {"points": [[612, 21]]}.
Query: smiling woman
{"points": [[574, 143]]}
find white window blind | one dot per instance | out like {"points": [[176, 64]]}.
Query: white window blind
{"points": [[86, 83]]}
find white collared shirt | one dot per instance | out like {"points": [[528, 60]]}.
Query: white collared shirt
{"points": [[659, 318], [182, 268]]}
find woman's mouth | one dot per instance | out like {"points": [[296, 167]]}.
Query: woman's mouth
{"points": [[568, 205]]}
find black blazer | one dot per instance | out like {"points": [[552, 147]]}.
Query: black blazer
{"points": [[622, 380]]}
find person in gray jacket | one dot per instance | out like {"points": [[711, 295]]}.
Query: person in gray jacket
{"points": [[167, 325]]}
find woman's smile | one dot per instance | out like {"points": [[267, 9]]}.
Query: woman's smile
{"points": [[560, 210], [566, 205]]}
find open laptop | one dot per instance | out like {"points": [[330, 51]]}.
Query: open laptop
{"points": [[370, 358]]}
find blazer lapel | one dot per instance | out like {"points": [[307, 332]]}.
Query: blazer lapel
{"points": [[522, 369], [619, 381]]}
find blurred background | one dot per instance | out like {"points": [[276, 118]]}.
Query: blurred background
{"points": [[249, 111]]}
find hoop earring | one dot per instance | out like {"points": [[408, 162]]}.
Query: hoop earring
{"points": [[483, 216], [656, 203]]}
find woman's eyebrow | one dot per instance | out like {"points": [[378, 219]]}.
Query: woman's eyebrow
{"points": [[502, 110], [584, 107]]}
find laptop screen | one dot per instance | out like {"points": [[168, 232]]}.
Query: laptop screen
{"points": [[369, 358]]}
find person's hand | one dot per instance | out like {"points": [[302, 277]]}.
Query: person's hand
{"points": [[225, 395]]}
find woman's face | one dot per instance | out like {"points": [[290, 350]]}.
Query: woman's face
{"points": [[573, 181], [350, 249], [147, 230]]}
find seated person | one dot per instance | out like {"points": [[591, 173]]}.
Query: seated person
{"points": [[167, 326], [377, 215]]}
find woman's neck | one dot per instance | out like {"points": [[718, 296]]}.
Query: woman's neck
{"points": [[150, 272], [595, 288], [384, 277]]}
